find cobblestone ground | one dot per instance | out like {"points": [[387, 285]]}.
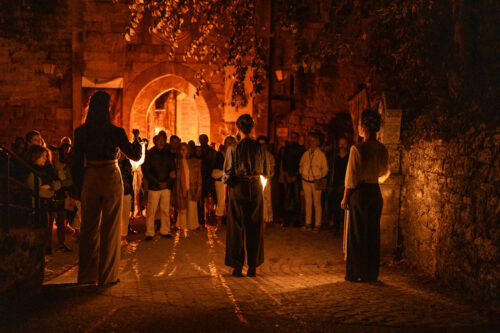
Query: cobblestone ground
{"points": [[181, 284]]}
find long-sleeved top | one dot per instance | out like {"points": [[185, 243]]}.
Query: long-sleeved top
{"points": [[157, 167], [43, 191], [368, 163], [103, 144], [291, 158], [313, 165], [246, 159]]}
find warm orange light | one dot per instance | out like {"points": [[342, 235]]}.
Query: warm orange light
{"points": [[263, 181], [137, 164]]}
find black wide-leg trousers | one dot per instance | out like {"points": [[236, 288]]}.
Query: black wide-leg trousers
{"points": [[363, 235], [244, 223]]}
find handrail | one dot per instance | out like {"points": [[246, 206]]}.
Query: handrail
{"points": [[20, 160], [7, 205], [18, 183]]}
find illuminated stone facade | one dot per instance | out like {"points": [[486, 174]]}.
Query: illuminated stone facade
{"points": [[450, 209], [449, 202]]}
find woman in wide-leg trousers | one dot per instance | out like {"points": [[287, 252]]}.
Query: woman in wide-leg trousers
{"points": [[245, 222], [102, 195], [363, 235]]}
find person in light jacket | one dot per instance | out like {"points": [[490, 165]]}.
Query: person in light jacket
{"points": [[313, 167]]}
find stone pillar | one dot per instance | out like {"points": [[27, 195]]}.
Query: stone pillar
{"points": [[389, 135]]}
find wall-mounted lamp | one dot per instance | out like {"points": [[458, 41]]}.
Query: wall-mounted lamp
{"points": [[282, 74], [48, 68]]}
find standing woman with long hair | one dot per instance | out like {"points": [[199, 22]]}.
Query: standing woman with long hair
{"points": [[96, 173], [187, 190], [367, 166]]}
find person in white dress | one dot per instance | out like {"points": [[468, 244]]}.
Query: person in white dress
{"points": [[188, 190]]}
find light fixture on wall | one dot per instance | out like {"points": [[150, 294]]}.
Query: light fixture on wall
{"points": [[49, 66], [282, 74]]}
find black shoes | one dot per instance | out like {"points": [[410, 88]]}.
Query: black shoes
{"points": [[237, 272], [252, 272], [148, 238], [131, 231]]}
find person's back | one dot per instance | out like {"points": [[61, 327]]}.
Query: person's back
{"points": [[100, 144], [368, 165], [95, 156], [103, 143], [373, 161], [245, 163], [249, 157]]}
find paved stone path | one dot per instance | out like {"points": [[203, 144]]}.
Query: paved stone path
{"points": [[181, 284]]}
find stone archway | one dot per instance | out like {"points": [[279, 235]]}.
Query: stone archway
{"points": [[147, 86]]}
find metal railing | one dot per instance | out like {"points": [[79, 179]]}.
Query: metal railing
{"points": [[8, 206]]}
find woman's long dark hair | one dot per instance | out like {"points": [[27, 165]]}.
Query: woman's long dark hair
{"points": [[98, 115]]}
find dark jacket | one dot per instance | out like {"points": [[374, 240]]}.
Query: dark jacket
{"points": [[246, 159], [101, 144], [219, 163], [291, 158], [157, 167]]}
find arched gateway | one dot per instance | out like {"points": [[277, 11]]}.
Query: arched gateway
{"points": [[194, 115]]}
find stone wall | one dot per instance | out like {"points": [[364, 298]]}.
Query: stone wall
{"points": [[21, 264], [29, 98], [450, 208], [318, 97]]}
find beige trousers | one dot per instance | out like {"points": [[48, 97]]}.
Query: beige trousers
{"points": [[102, 195], [220, 190], [127, 201], [312, 198], [163, 198], [268, 204]]}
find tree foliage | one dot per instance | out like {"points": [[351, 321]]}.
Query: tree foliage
{"points": [[439, 55], [223, 33]]}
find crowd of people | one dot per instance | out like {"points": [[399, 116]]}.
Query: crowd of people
{"points": [[183, 182], [179, 185]]}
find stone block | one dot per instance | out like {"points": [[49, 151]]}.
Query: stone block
{"points": [[21, 262], [64, 114]]}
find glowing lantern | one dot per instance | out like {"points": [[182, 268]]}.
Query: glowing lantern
{"points": [[263, 181], [137, 164]]}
